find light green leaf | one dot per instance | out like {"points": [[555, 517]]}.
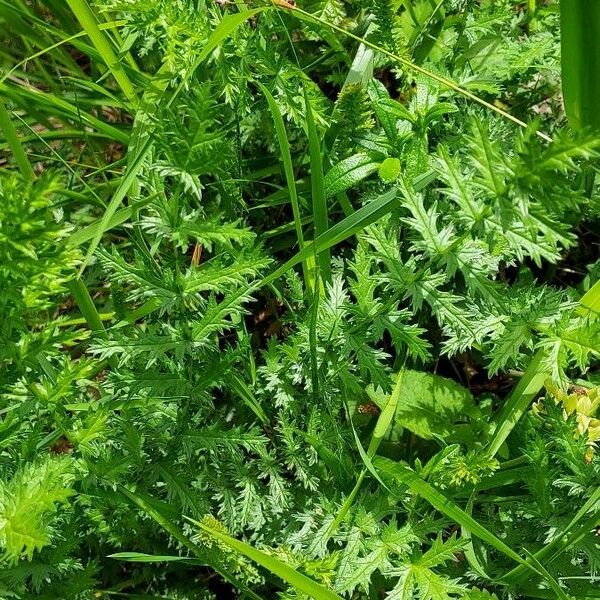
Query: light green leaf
{"points": [[428, 404], [149, 558], [389, 169], [290, 575], [349, 172]]}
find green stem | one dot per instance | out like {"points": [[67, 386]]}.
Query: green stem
{"points": [[14, 143], [87, 307], [85, 16]]}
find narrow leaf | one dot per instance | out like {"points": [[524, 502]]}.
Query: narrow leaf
{"points": [[274, 565]]}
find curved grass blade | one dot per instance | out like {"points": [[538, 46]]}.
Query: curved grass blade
{"points": [[448, 507], [520, 398], [85, 16], [562, 542], [288, 168], [58, 105], [290, 575], [132, 172], [381, 427], [146, 503], [12, 138], [47, 49], [341, 231]]}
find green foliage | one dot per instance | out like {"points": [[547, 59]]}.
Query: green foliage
{"points": [[26, 503], [195, 417]]}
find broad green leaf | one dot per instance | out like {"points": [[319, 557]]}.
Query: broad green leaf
{"points": [[379, 94], [428, 404], [348, 173], [397, 110]]}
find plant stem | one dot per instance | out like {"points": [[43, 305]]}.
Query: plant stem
{"points": [[87, 307]]}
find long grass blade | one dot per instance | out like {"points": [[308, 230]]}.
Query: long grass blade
{"points": [[449, 508], [148, 505], [12, 138], [319, 202], [288, 167], [290, 575], [128, 179], [85, 16], [580, 48]]}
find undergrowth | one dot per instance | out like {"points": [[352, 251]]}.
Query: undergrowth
{"points": [[296, 301]]}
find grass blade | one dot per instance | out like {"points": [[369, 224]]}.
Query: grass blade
{"points": [[12, 138], [319, 202], [224, 29], [126, 183], [121, 216], [449, 508], [151, 558], [580, 47], [561, 543], [274, 565], [288, 167], [147, 504], [87, 307], [339, 232], [520, 398], [85, 16]]}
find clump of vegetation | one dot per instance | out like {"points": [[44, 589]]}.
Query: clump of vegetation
{"points": [[299, 300]]}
